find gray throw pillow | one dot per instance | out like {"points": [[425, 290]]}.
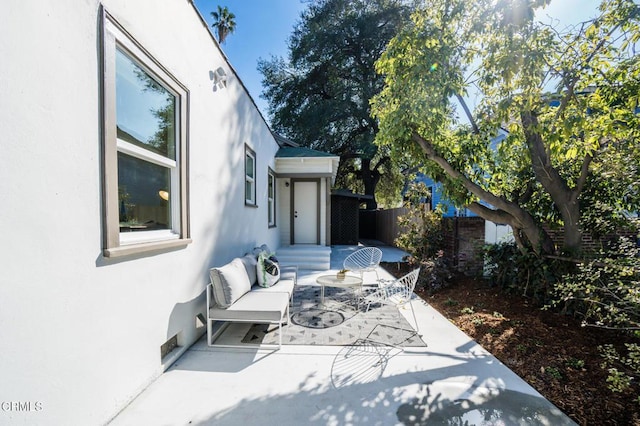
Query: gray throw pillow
{"points": [[230, 282], [250, 263]]}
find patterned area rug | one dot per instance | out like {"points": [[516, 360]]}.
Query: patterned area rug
{"points": [[336, 322]]}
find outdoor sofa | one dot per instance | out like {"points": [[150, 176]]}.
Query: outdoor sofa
{"points": [[233, 295]]}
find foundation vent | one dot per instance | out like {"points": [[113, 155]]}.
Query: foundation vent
{"points": [[168, 346]]}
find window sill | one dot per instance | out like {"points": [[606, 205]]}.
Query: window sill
{"points": [[133, 249], [250, 205]]}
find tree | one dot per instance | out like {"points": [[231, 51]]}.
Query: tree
{"points": [[224, 22], [320, 95], [566, 97]]}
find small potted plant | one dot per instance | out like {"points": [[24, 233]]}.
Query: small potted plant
{"points": [[342, 273]]}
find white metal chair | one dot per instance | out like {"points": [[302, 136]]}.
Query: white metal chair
{"points": [[398, 293], [364, 260]]}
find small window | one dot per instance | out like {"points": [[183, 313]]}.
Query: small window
{"points": [[249, 177], [271, 198], [145, 116]]}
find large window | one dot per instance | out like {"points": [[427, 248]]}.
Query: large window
{"points": [[271, 197], [249, 177], [145, 115]]}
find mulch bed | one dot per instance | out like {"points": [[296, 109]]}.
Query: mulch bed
{"points": [[550, 351]]}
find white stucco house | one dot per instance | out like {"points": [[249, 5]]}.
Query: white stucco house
{"points": [[133, 160]]}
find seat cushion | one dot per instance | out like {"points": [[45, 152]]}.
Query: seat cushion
{"points": [[283, 285], [254, 306], [229, 283]]}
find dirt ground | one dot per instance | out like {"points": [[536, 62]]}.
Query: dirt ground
{"points": [[550, 351]]}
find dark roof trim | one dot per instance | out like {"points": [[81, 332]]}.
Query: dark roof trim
{"points": [[347, 193], [303, 175], [301, 152], [282, 141]]}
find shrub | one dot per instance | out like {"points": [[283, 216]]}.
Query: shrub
{"points": [[422, 228], [623, 369], [526, 274], [421, 237], [605, 292]]}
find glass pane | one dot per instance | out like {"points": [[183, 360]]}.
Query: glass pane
{"points": [[143, 195], [270, 186], [270, 212], [248, 191], [145, 111], [249, 166]]}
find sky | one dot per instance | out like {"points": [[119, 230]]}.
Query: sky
{"points": [[262, 30], [264, 26]]}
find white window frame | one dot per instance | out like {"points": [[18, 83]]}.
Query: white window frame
{"points": [[271, 198], [250, 199], [116, 243]]}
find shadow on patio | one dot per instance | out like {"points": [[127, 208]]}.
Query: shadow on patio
{"points": [[450, 381]]}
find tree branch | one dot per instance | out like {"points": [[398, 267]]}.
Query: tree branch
{"points": [[545, 173], [471, 186], [584, 173], [463, 103]]}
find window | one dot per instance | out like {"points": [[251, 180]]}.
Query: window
{"points": [[271, 197], [145, 115], [249, 177]]}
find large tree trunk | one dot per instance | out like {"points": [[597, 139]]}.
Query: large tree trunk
{"points": [[370, 179], [528, 233], [565, 198]]}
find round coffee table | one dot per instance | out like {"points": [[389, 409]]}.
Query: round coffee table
{"points": [[349, 281]]}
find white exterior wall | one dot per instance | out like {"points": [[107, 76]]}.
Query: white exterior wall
{"points": [[311, 167], [81, 334], [307, 165], [495, 234]]}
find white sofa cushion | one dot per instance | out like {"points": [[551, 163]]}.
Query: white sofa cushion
{"points": [[254, 307], [230, 282]]}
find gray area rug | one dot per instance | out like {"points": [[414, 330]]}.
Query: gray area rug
{"points": [[337, 322]]}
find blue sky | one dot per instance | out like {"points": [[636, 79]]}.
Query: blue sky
{"points": [[263, 27], [262, 30]]}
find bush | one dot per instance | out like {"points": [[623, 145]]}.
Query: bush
{"points": [[434, 273], [526, 274], [422, 238], [421, 234], [605, 292]]}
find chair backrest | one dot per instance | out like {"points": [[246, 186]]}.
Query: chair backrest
{"points": [[407, 283], [364, 259]]}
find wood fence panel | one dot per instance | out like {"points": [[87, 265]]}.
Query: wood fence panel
{"points": [[387, 228]]}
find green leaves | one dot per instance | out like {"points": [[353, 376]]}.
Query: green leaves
{"points": [[552, 167], [319, 97]]}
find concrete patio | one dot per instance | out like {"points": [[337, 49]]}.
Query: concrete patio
{"points": [[450, 381]]}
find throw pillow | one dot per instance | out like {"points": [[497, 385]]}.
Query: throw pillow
{"points": [[230, 282], [250, 264], [268, 270]]}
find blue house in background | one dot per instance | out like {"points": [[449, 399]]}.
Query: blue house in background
{"points": [[437, 197]]}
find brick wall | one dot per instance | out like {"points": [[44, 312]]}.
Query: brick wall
{"points": [[463, 236], [589, 243]]}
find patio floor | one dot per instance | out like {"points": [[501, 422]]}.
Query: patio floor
{"points": [[450, 381]]}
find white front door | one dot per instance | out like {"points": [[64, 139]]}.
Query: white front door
{"points": [[305, 212]]}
